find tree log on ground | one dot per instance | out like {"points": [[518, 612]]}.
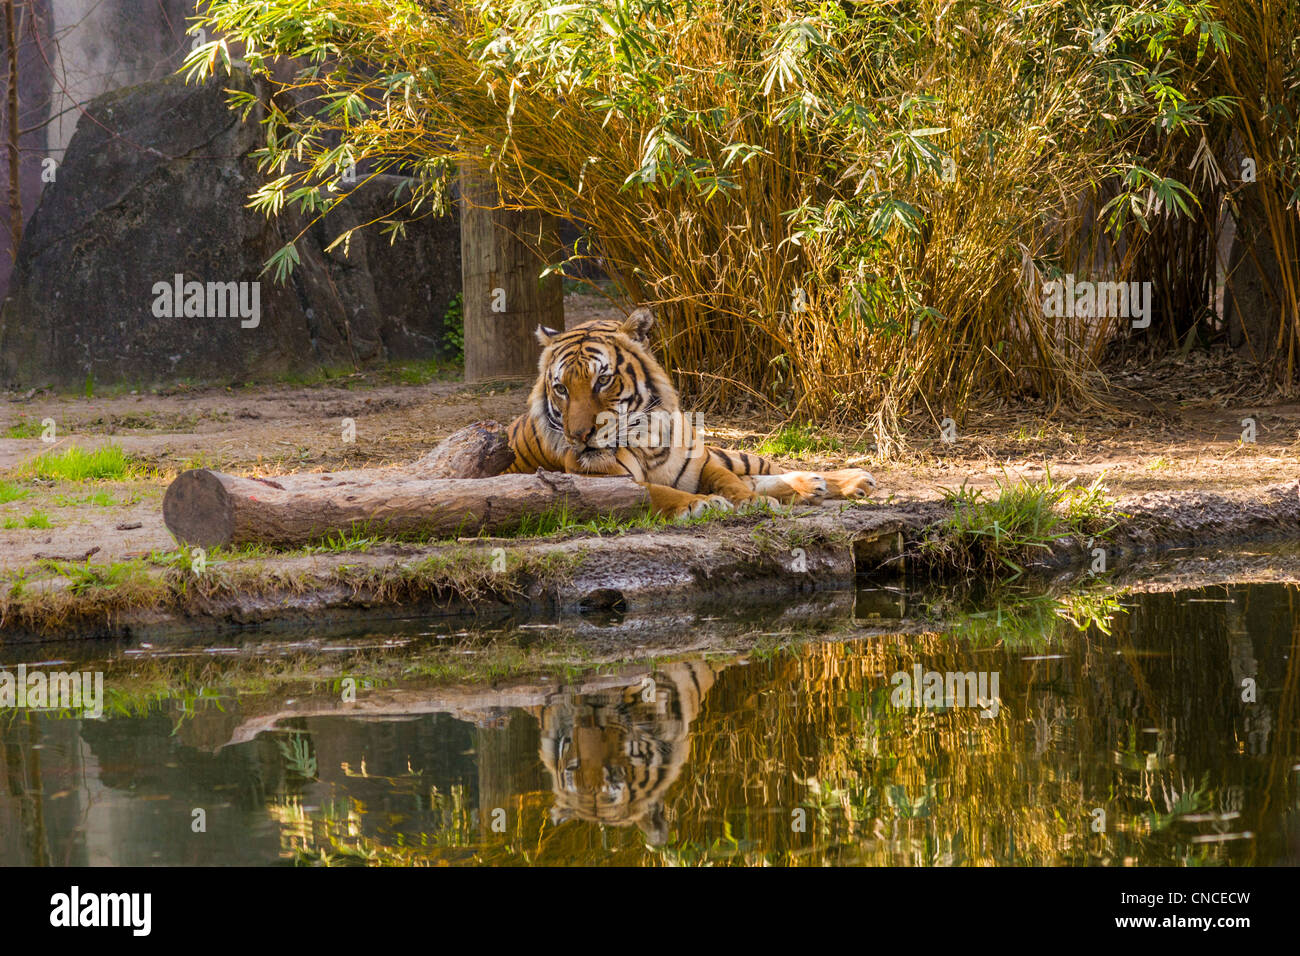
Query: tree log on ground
{"points": [[480, 450], [209, 509]]}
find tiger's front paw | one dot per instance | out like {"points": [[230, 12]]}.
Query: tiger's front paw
{"points": [[849, 483], [703, 504], [757, 503], [675, 505]]}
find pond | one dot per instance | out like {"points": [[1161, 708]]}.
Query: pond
{"points": [[882, 727]]}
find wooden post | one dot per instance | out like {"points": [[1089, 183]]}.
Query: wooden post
{"points": [[503, 299], [11, 109]]}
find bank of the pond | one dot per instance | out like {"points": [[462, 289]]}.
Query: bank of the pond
{"points": [[737, 559]]}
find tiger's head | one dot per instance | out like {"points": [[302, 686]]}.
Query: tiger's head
{"points": [[613, 754], [591, 375]]}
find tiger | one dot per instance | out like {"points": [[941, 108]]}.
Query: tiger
{"points": [[597, 378], [613, 754]]}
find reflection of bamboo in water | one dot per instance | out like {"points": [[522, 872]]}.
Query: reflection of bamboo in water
{"points": [[23, 769], [1133, 661], [507, 769], [902, 806], [1279, 770], [1171, 796]]}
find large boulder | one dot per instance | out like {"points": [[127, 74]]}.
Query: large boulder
{"points": [[154, 186]]}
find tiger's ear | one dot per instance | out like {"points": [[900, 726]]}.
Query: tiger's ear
{"points": [[637, 326], [544, 335]]}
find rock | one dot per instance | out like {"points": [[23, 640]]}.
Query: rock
{"points": [[154, 185]]}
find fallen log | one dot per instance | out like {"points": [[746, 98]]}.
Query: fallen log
{"points": [[481, 450], [209, 509]]}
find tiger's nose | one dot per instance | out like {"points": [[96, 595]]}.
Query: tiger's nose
{"points": [[585, 437]]}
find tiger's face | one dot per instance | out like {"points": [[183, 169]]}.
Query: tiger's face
{"points": [[613, 754], [593, 375]]}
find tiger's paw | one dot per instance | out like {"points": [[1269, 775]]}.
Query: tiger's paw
{"points": [[849, 483], [757, 503], [703, 504], [793, 487], [675, 505]]}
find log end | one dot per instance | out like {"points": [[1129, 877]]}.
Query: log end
{"points": [[197, 509]]}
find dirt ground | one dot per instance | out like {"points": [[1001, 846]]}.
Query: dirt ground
{"points": [[1180, 428]]}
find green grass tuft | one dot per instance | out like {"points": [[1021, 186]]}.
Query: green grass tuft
{"points": [[794, 441], [12, 492], [76, 464], [26, 428], [37, 519], [344, 542], [1026, 518], [100, 499], [86, 578]]}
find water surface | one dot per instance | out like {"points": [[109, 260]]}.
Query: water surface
{"points": [[1156, 729]]}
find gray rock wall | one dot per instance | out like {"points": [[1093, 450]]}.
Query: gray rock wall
{"points": [[69, 52], [153, 185]]}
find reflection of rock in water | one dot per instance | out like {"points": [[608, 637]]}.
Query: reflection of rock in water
{"points": [[613, 754]]}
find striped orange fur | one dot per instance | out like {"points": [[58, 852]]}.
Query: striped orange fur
{"points": [[602, 405]]}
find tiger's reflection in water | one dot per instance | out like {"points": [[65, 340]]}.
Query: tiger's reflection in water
{"points": [[613, 754]]}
